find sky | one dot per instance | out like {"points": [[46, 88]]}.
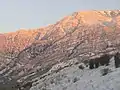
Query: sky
{"points": [[17, 14]]}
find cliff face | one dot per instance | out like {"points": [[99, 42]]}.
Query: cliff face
{"points": [[79, 35]]}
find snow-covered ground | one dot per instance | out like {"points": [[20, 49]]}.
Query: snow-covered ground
{"points": [[73, 78]]}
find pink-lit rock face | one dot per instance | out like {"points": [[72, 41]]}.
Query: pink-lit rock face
{"points": [[2, 40], [25, 37]]}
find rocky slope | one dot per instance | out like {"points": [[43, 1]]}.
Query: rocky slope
{"points": [[17, 41], [79, 35]]}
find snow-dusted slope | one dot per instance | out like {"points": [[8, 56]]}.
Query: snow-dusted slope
{"points": [[73, 78]]}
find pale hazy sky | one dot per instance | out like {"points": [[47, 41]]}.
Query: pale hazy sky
{"points": [[16, 14]]}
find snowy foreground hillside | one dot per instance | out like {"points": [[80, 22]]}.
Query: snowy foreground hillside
{"points": [[73, 78]]}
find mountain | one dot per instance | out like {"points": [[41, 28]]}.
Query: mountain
{"points": [[77, 36], [25, 36]]}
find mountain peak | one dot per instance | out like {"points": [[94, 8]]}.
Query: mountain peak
{"points": [[80, 35]]}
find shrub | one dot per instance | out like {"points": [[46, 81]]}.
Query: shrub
{"points": [[75, 79], [105, 71], [82, 66]]}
